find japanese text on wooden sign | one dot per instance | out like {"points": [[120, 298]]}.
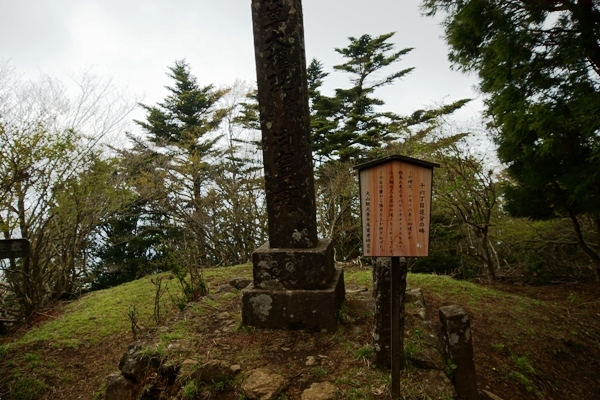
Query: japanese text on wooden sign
{"points": [[396, 204]]}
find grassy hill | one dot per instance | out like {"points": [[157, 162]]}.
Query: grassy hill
{"points": [[530, 342]]}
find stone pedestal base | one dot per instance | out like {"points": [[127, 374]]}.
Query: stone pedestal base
{"points": [[285, 268], [314, 310]]}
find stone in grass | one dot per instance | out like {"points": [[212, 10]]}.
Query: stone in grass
{"points": [[263, 385], [240, 283], [320, 391], [213, 371], [490, 396], [436, 384], [311, 361], [118, 387], [428, 358], [133, 365]]}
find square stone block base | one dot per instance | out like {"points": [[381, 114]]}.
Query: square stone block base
{"points": [[283, 268], [313, 310]]}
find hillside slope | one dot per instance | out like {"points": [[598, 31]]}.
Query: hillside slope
{"points": [[530, 342]]}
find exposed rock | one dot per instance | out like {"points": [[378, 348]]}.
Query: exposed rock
{"points": [[436, 385], [223, 315], [132, 365], [320, 391], [181, 346], [235, 369], [240, 283], [263, 385], [490, 396], [412, 295], [310, 361], [118, 387], [428, 358], [224, 289], [213, 371]]}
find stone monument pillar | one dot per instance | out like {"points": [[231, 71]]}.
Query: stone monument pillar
{"points": [[296, 285]]}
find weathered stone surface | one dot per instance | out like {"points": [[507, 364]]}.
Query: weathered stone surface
{"points": [[436, 385], [311, 361], [284, 119], [458, 346], [428, 358], [382, 332], [486, 395], [320, 391], [415, 303], [279, 269], [490, 396], [131, 364], [314, 310], [261, 384], [224, 289], [414, 295], [118, 387], [181, 346], [240, 283], [235, 369], [213, 371]]}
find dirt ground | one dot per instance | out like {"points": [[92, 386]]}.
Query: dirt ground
{"points": [[554, 354]]}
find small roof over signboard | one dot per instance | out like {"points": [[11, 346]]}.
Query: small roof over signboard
{"points": [[396, 157]]}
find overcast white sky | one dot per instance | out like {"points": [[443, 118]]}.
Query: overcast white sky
{"points": [[135, 40]]}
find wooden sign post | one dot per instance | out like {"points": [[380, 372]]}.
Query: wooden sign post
{"points": [[395, 198], [13, 248]]}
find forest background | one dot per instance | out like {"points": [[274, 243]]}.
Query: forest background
{"points": [[188, 192]]}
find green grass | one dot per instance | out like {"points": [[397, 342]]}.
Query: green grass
{"points": [[80, 320], [100, 315], [358, 277], [27, 389]]}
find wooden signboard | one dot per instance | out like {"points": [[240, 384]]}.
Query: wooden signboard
{"points": [[13, 248], [395, 194]]}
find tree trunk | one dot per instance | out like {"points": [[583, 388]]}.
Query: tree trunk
{"points": [[595, 258]]}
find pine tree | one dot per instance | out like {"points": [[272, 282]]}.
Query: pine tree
{"points": [[182, 124], [347, 124]]}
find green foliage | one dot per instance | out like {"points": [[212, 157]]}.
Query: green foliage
{"points": [[348, 126], [450, 369], [191, 390], [3, 350], [363, 353], [189, 278], [186, 115], [131, 247], [539, 67], [499, 347], [56, 184]]}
